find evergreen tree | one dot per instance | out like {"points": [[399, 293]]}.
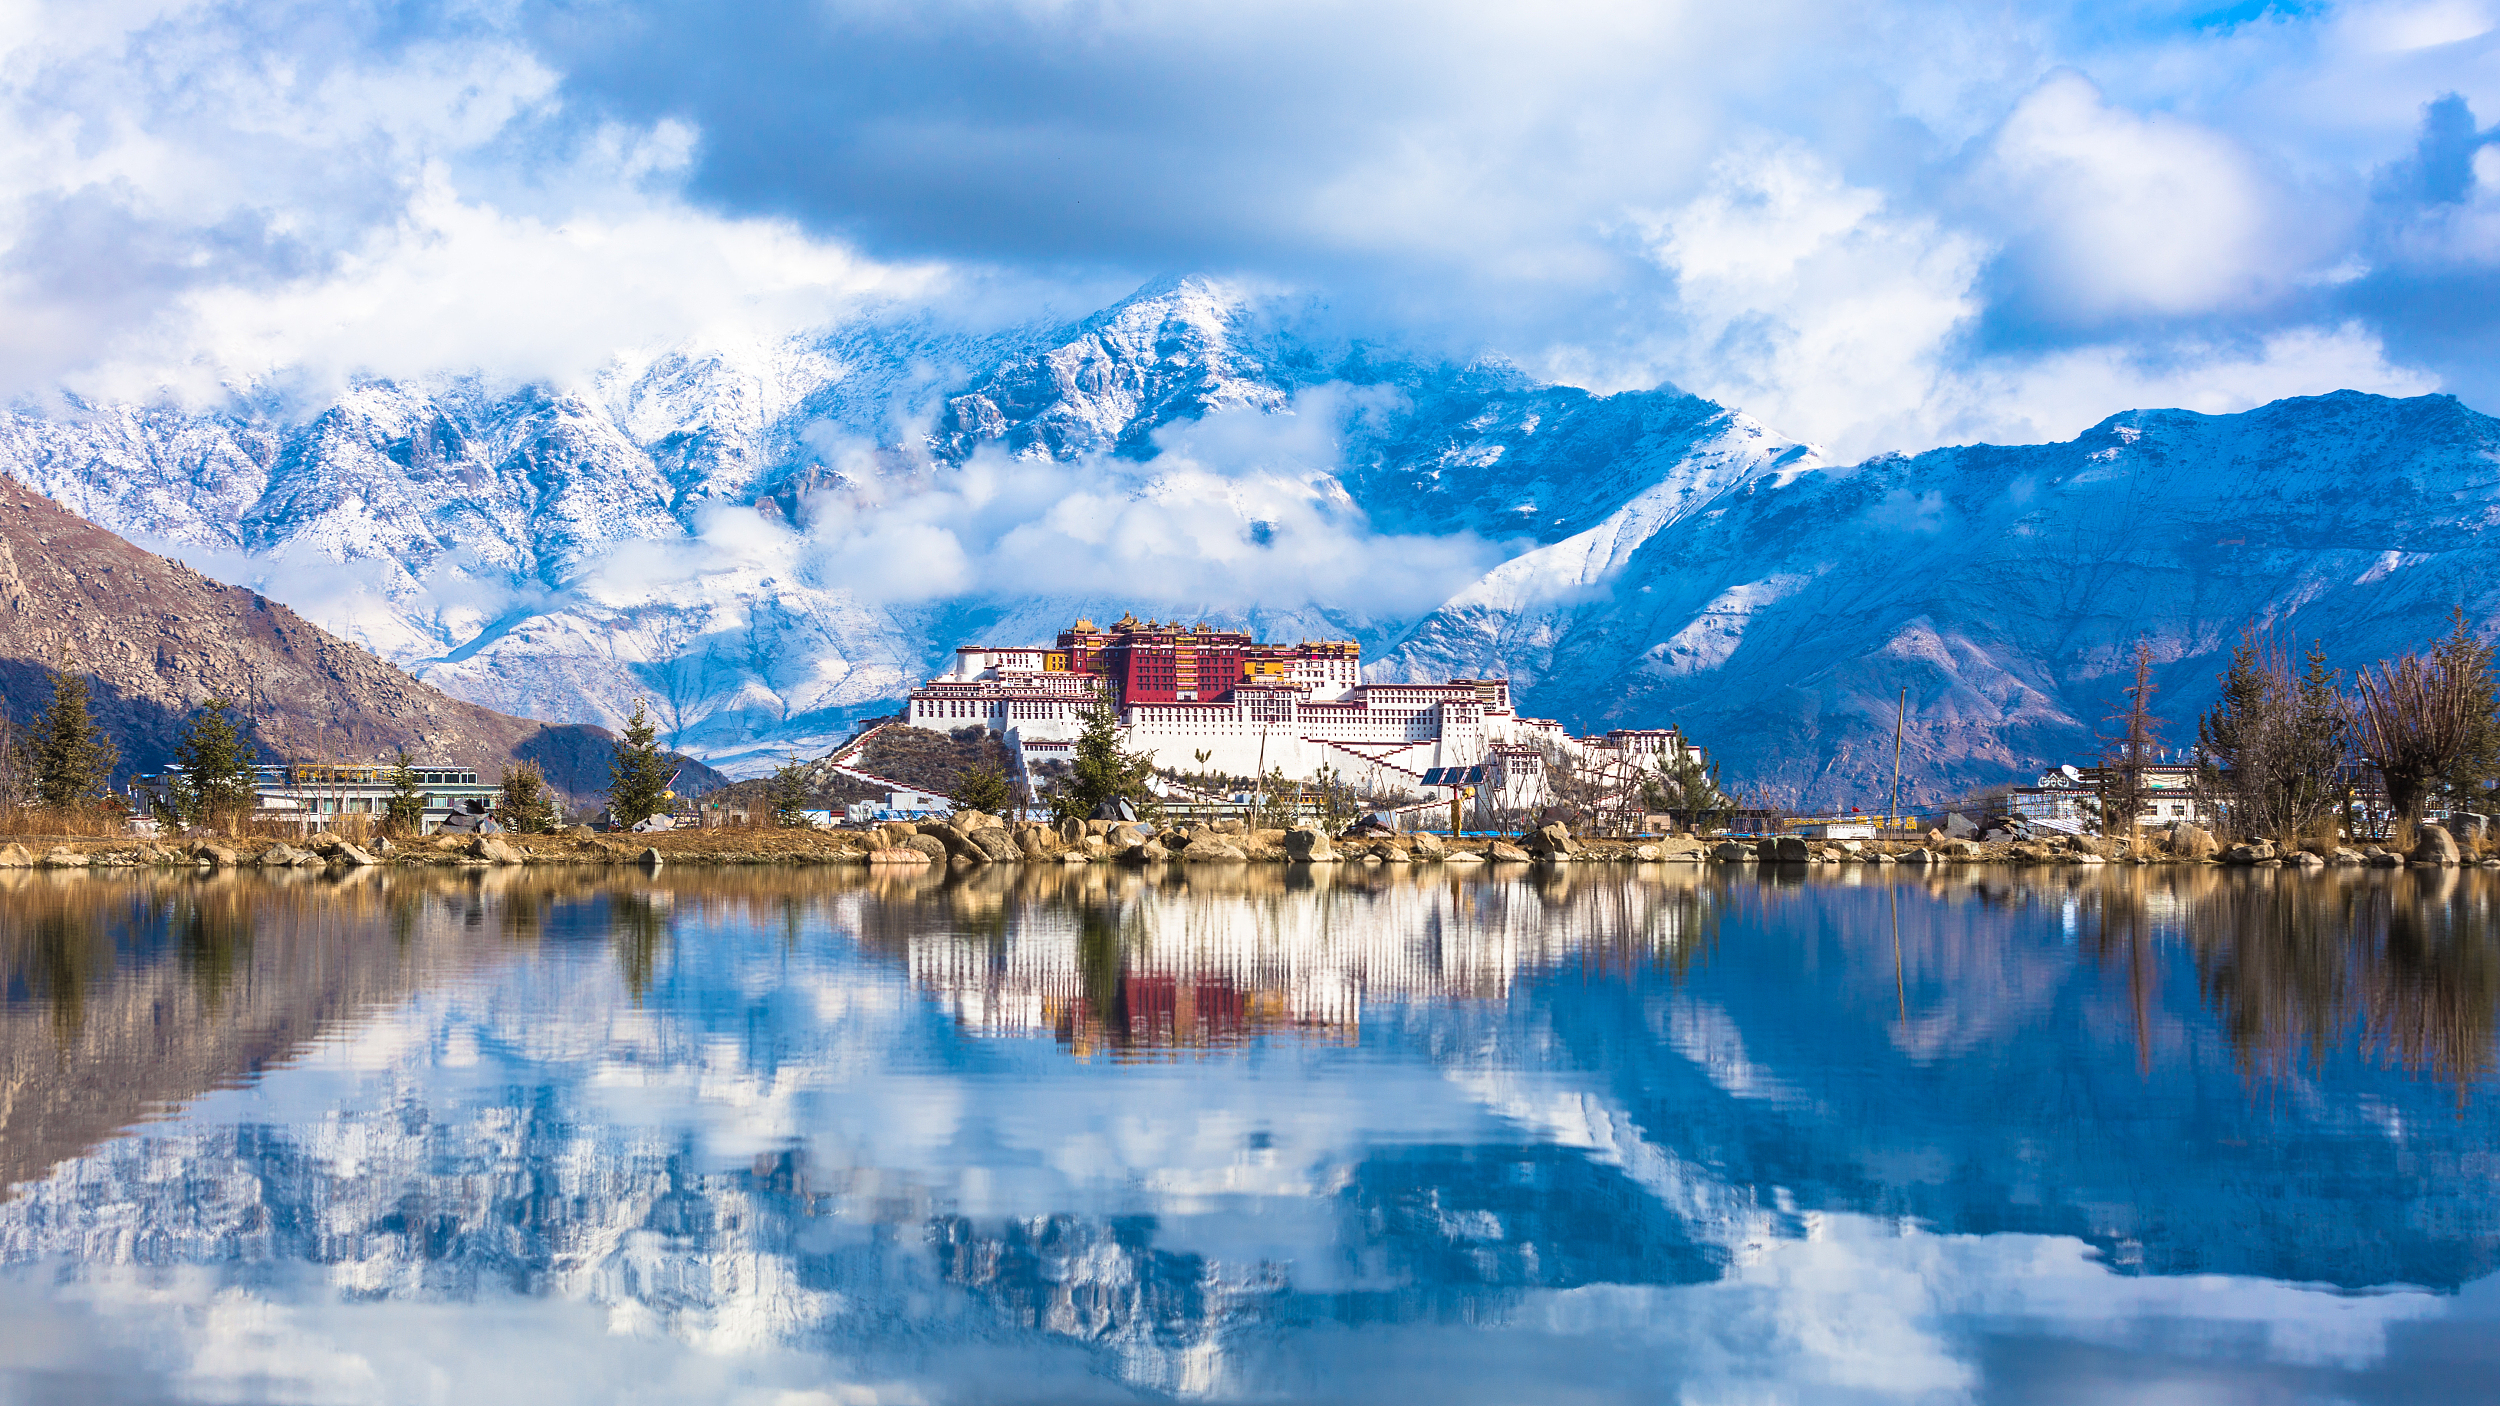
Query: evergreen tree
{"points": [[405, 813], [1103, 771], [789, 794], [527, 805], [2469, 662], [982, 788], [214, 781], [1691, 789], [71, 760], [638, 779], [2274, 745]]}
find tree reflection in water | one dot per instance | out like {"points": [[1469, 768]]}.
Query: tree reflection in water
{"points": [[2401, 965]]}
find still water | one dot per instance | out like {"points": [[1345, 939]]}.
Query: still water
{"points": [[1680, 1136]]}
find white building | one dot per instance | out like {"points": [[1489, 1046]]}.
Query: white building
{"points": [[1207, 700]]}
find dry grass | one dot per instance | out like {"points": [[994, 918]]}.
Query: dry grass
{"points": [[30, 822]]}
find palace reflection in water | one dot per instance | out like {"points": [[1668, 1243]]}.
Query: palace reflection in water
{"points": [[1064, 1134]]}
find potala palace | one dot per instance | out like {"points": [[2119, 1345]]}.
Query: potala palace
{"points": [[1205, 699]]}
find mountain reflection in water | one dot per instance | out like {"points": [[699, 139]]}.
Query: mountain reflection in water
{"points": [[1057, 1134]]}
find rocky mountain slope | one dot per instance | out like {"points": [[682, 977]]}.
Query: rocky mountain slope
{"points": [[770, 544], [157, 639], [2003, 587]]}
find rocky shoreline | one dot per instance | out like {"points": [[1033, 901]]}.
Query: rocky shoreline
{"points": [[981, 840]]}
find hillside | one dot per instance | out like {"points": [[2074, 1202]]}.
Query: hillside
{"points": [[2003, 587], [157, 639], [772, 544]]}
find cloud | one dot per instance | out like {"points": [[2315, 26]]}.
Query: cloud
{"points": [[1240, 510], [201, 194], [1825, 311], [194, 197], [2109, 214]]}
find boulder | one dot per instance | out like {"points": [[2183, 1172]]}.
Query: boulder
{"points": [[1429, 845], [1146, 852], [1076, 856], [1551, 839], [1307, 844], [2306, 860], [958, 844], [1462, 857], [351, 856], [1647, 854], [1126, 835], [2191, 841], [1919, 857], [63, 857], [2248, 854], [1791, 849], [1211, 849], [1958, 849], [2345, 857], [898, 854], [14, 856], [995, 845], [498, 852], [1507, 852], [1073, 831], [2433, 844], [1231, 827], [1732, 852], [579, 832], [1393, 855], [2470, 828], [927, 847], [281, 856], [2382, 859], [650, 859], [219, 855], [1036, 847]]}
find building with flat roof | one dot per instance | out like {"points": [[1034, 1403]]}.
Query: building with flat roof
{"points": [[1205, 699], [314, 794]]}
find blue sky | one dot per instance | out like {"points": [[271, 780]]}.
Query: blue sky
{"points": [[1876, 225]]}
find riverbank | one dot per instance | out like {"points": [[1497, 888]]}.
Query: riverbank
{"points": [[983, 841]]}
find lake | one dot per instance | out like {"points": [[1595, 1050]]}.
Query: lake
{"points": [[1666, 1134]]}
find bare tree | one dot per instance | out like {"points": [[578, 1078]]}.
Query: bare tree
{"points": [[2421, 720], [2126, 756]]}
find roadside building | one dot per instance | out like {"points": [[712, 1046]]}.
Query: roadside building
{"points": [[2069, 799], [315, 795]]}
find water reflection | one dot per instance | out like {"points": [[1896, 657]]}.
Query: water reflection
{"points": [[1073, 1134]]}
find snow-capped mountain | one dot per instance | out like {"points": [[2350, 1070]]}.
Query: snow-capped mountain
{"points": [[2004, 588], [771, 542]]}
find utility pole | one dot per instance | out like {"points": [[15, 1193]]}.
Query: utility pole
{"points": [[1892, 807]]}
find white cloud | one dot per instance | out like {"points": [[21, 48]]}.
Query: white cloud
{"points": [[194, 197], [1823, 310], [1810, 302], [1240, 507], [2113, 214]]}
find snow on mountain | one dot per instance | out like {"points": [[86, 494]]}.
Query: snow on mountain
{"points": [[770, 542], [2004, 587]]}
